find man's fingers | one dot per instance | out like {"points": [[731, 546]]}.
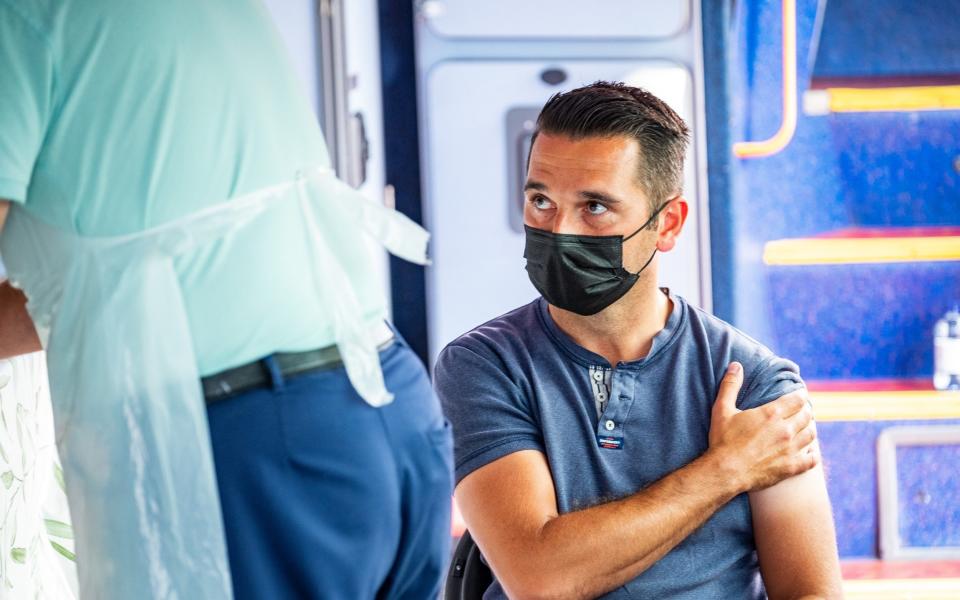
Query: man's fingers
{"points": [[787, 406], [806, 435], [799, 420], [726, 403], [809, 457]]}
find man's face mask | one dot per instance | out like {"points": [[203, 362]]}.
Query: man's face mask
{"points": [[581, 273]]}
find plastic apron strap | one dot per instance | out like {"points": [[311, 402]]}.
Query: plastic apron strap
{"points": [[322, 194], [393, 230], [134, 439]]}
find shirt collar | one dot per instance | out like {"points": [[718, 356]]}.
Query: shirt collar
{"points": [[588, 358]]}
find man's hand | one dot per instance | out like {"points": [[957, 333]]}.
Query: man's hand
{"points": [[762, 446]]}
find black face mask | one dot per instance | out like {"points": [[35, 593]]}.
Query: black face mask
{"points": [[581, 273]]}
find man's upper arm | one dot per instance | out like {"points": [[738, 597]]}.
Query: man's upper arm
{"points": [[491, 417], [766, 378], [505, 489], [792, 520], [794, 533]]}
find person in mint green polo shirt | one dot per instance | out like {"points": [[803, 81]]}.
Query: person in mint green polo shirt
{"points": [[118, 116]]}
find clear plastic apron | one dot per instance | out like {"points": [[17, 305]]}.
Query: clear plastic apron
{"points": [[130, 419]]}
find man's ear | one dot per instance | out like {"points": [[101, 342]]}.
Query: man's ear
{"points": [[671, 223]]}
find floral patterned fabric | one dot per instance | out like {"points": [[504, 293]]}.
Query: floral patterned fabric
{"points": [[36, 539]]}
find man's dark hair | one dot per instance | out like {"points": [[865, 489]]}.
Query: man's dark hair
{"points": [[605, 109]]}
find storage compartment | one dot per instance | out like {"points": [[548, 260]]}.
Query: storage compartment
{"points": [[568, 18]]}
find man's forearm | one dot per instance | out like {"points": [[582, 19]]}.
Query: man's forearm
{"points": [[17, 333], [595, 550]]}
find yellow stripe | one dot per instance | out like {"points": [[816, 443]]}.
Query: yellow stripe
{"points": [[902, 589], [819, 251], [885, 406], [933, 97]]}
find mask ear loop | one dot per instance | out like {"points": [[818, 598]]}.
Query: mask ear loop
{"points": [[652, 217], [646, 264], [644, 226]]}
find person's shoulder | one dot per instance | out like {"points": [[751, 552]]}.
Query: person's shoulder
{"points": [[489, 354], [723, 337], [766, 375], [501, 333]]}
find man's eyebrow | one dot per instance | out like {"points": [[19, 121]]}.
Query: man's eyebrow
{"points": [[535, 185], [598, 197]]}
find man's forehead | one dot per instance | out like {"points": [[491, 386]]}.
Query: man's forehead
{"points": [[597, 160], [587, 150]]}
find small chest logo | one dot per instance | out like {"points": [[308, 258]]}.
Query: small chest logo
{"points": [[610, 442]]}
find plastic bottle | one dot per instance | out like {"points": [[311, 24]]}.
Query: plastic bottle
{"points": [[946, 351]]}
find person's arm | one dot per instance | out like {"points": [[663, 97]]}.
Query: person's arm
{"points": [[17, 333], [510, 507], [796, 543]]}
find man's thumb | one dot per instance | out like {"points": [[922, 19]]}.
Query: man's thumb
{"points": [[726, 403]]}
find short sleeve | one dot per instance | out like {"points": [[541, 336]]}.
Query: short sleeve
{"points": [[26, 82], [490, 416], [771, 378]]}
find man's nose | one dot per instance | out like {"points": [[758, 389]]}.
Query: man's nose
{"points": [[564, 222]]}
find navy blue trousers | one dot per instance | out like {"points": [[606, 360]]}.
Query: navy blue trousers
{"points": [[324, 496]]}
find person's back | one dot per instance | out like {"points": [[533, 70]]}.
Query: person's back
{"points": [[118, 117], [145, 112]]}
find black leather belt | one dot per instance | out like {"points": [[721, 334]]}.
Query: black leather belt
{"points": [[254, 375]]}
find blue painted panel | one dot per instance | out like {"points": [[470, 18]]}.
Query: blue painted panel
{"points": [[889, 37], [850, 463], [877, 169], [899, 168], [929, 495], [839, 171], [402, 163], [861, 321], [798, 192], [716, 51]]}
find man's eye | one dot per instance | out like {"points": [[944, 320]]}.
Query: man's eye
{"points": [[540, 202], [595, 208]]}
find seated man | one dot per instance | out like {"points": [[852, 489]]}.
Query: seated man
{"points": [[591, 458]]}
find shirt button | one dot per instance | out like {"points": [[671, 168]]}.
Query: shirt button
{"points": [[610, 425]]}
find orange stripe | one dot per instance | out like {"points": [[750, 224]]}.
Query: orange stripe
{"points": [[898, 405], [818, 251]]}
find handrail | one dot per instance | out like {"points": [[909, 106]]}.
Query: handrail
{"points": [[788, 126]]}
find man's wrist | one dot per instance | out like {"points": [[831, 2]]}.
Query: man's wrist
{"points": [[725, 473]]}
